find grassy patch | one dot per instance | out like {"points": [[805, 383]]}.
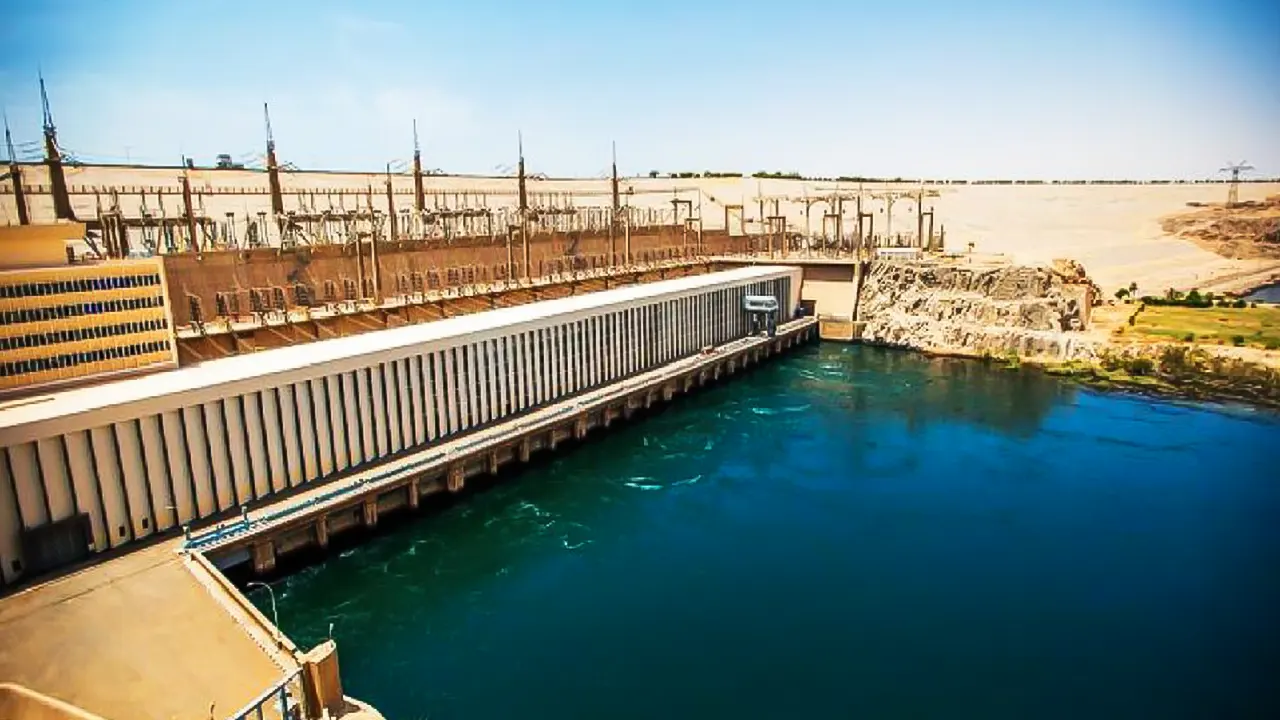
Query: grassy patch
{"points": [[1255, 327]]}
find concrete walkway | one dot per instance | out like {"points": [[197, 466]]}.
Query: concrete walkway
{"points": [[137, 637]]}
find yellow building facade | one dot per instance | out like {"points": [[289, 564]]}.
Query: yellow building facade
{"points": [[61, 324]]}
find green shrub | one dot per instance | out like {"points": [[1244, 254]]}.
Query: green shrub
{"points": [[1237, 340], [1189, 337], [1273, 345], [1240, 304], [1139, 366]]}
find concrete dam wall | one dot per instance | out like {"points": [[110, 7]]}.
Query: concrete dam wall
{"points": [[110, 465]]}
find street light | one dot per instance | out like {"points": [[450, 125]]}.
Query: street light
{"points": [[275, 616]]}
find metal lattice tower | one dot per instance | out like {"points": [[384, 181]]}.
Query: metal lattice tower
{"points": [[1233, 191]]}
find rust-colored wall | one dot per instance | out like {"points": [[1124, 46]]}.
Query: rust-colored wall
{"points": [[463, 261]]}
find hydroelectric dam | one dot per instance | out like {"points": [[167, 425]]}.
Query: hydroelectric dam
{"points": [[147, 487]]}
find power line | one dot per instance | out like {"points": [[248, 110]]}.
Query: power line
{"points": [[1233, 191]]}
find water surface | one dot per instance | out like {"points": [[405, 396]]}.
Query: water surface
{"points": [[1268, 293], [847, 532]]}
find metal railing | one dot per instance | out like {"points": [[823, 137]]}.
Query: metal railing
{"points": [[282, 701]]}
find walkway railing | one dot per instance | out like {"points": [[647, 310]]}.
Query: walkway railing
{"points": [[282, 701]]}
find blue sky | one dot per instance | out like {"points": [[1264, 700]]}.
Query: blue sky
{"points": [[979, 89]]}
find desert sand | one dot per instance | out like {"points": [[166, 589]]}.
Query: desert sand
{"points": [[1115, 231]]}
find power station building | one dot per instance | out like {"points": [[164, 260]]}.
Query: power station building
{"points": [[95, 468], [63, 323]]}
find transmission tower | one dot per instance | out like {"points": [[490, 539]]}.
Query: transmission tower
{"points": [[1233, 191]]}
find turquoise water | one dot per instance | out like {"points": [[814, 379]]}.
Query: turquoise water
{"points": [[847, 532]]}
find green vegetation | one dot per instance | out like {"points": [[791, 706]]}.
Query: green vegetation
{"points": [[703, 174], [1180, 370], [1245, 326], [1192, 371], [1193, 299]]}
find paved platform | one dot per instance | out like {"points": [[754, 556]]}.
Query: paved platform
{"points": [[137, 637]]}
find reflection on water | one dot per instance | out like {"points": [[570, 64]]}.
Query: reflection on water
{"points": [[847, 531], [925, 389]]}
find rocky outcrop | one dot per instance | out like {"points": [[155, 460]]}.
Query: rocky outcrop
{"points": [[958, 309]]}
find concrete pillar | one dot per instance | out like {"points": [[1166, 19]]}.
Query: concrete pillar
{"points": [[457, 478], [415, 494], [322, 533], [580, 426], [668, 392], [370, 512], [322, 681], [264, 557], [493, 463], [553, 439], [526, 449]]}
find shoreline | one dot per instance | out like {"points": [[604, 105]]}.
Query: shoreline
{"points": [[1244, 284], [1193, 385]]}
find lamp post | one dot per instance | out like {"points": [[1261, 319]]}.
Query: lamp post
{"points": [[275, 616]]}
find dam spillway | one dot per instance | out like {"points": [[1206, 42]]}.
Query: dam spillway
{"points": [[116, 464]]}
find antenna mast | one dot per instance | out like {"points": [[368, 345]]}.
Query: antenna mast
{"points": [[419, 196], [273, 170], [44, 105], [613, 214], [524, 205], [15, 176], [53, 159]]}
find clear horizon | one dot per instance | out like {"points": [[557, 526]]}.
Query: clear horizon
{"points": [[994, 90]]}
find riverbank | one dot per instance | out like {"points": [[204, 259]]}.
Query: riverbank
{"points": [[1187, 373], [1181, 372], [1054, 319]]}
